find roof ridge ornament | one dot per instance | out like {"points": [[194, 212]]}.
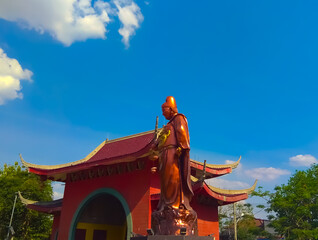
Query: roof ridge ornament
{"points": [[156, 126], [202, 178]]}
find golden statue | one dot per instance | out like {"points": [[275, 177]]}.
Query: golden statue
{"points": [[174, 211]]}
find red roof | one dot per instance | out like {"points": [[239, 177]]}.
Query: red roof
{"points": [[207, 193], [120, 150], [222, 197], [47, 207]]}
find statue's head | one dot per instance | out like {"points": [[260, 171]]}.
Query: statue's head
{"points": [[169, 108]]}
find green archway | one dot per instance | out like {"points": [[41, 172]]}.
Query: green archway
{"points": [[94, 195]]}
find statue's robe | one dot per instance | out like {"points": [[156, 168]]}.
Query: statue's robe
{"points": [[174, 168]]}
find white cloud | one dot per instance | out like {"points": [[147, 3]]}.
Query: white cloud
{"points": [[227, 184], [57, 195], [302, 160], [58, 190], [11, 74], [72, 20], [238, 169], [266, 174], [130, 16], [229, 161]]}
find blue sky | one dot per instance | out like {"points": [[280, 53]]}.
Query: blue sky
{"points": [[73, 73]]}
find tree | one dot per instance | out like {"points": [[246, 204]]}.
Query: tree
{"points": [[295, 205], [27, 224], [246, 225]]}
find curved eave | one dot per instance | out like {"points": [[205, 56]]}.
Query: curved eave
{"points": [[51, 207], [42, 169], [223, 196], [25, 201], [232, 192], [212, 170], [45, 209], [58, 172], [54, 167]]}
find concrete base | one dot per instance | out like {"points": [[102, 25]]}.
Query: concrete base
{"points": [[168, 237]]}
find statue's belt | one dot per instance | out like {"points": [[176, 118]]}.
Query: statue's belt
{"points": [[167, 147]]}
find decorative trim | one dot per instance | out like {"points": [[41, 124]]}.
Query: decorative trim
{"points": [[109, 170], [194, 179]]}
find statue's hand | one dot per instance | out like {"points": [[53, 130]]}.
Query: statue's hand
{"points": [[179, 151], [153, 169], [153, 157]]}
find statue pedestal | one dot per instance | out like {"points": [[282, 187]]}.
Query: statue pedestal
{"points": [[170, 220], [165, 237]]}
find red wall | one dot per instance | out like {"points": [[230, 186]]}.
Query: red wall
{"points": [[208, 221], [133, 186], [55, 226]]}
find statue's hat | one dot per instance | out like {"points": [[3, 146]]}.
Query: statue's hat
{"points": [[171, 102]]}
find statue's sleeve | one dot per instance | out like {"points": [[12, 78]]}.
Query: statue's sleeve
{"points": [[182, 132]]}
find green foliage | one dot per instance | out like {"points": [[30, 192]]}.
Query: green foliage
{"points": [[246, 225], [247, 229], [27, 224], [295, 205]]}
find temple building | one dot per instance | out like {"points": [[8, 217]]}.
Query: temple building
{"points": [[111, 193]]}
